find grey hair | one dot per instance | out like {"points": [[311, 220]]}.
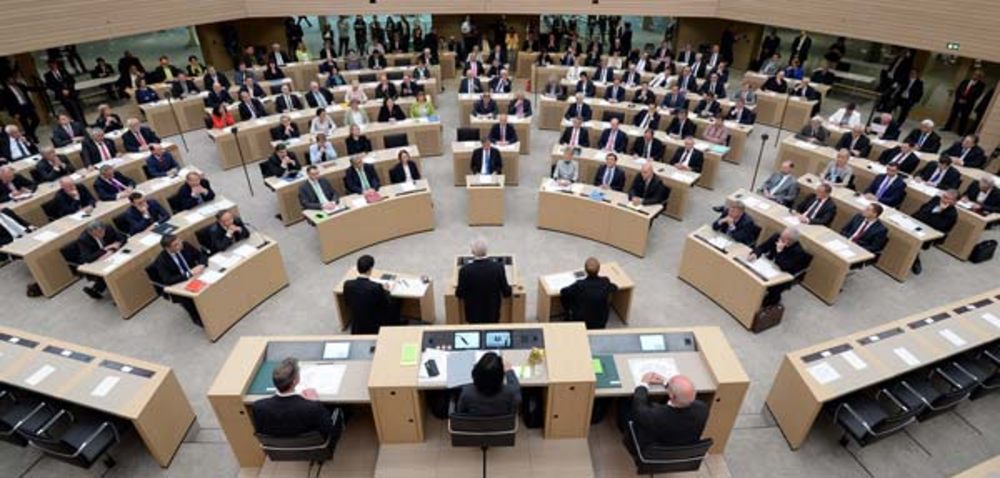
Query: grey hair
{"points": [[478, 247], [95, 226]]}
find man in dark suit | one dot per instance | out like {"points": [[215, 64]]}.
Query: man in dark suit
{"points": [[708, 106], [409, 87], [14, 145], [940, 214], [12, 184], [503, 133], [737, 224], [714, 86], [575, 135], [675, 100], [63, 87], [784, 250], [604, 73], [71, 198], [800, 46], [95, 243], [385, 89], [648, 147], [688, 158], [615, 92], [967, 152], [818, 208], [902, 156], [12, 227], [277, 56], [613, 138], [111, 185], [318, 97], [884, 127], [183, 87], [144, 213], [218, 95], [647, 189], [678, 422], [681, 126], [470, 84], [648, 118], [585, 86], [687, 81], [97, 149], [520, 107], [486, 159], [160, 162], [579, 109], [776, 83], [287, 101], [289, 414], [52, 166], [316, 192], [285, 130], [213, 78], [227, 230], [501, 83], [908, 94], [405, 171], [15, 98], [856, 142], [482, 285], [984, 195], [137, 137], [865, 229], [250, 108], [609, 175], [588, 300], [924, 138], [814, 132], [888, 188], [370, 303], [67, 131], [176, 263], [940, 174], [164, 71], [966, 95], [361, 177], [740, 113]]}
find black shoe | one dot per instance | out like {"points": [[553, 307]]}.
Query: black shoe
{"points": [[718, 209], [917, 267], [93, 293]]}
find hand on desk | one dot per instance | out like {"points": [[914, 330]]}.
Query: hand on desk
{"points": [[310, 394], [653, 378]]}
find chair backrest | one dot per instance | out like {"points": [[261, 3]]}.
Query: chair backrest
{"points": [[36, 176], [71, 253], [154, 278], [311, 446], [403, 61], [175, 203], [120, 223], [395, 141], [265, 171], [145, 170], [472, 430], [204, 238], [608, 115], [667, 459], [367, 78], [394, 75], [468, 134], [50, 209]]}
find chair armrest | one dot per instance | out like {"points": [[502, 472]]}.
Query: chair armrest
{"points": [[27, 417], [859, 418], [993, 358], [635, 441], [946, 377], [55, 418], [100, 429], [895, 401], [965, 371]]}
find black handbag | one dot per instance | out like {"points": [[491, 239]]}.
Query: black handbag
{"points": [[767, 317], [983, 251]]}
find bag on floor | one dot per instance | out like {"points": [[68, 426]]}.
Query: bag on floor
{"points": [[983, 251], [767, 317]]}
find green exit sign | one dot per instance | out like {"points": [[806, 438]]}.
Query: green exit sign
{"points": [[953, 46]]}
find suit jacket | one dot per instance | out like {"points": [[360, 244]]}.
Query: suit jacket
{"points": [[695, 163], [177, 92], [291, 416], [185, 200], [218, 241], [160, 167], [943, 220], [620, 141], [992, 202], [891, 130], [389, 91], [719, 90], [5, 143], [483, 108], [66, 81], [606, 74], [209, 82], [371, 306], [91, 155], [873, 239], [496, 161], [653, 193], [588, 300], [19, 183], [819, 134], [90, 250], [582, 137], [482, 284], [384, 115], [824, 216], [974, 158], [931, 145], [170, 273], [655, 149], [687, 83], [472, 402], [951, 179], [613, 94], [687, 130], [213, 99], [280, 105], [654, 122], [510, 134], [863, 145], [65, 205], [644, 98], [587, 88], [745, 116], [247, 114], [526, 107], [744, 231], [159, 74], [405, 89], [107, 191], [584, 112], [131, 141], [137, 223], [311, 97], [308, 198], [893, 195], [674, 102], [663, 425], [617, 177], [974, 93], [397, 175], [5, 236], [915, 93], [278, 133], [498, 85], [61, 138], [907, 165], [792, 259], [273, 166], [359, 145], [470, 85], [107, 124], [352, 181], [46, 173], [772, 85], [705, 108]]}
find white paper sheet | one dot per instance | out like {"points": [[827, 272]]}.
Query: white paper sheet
{"points": [[407, 187], [853, 359], [336, 350], [824, 373], [485, 179], [906, 356], [765, 267], [150, 239], [210, 276], [194, 217], [652, 343], [720, 242], [556, 282], [666, 367], [223, 261], [245, 251], [104, 387], [39, 375], [358, 202], [952, 337], [324, 378], [992, 319]]}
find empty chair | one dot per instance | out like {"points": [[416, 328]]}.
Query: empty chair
{"points": [[79, 441], [985, 365], [403, 61], [20, 414], [867, 419], [394, 75], [395, 141], [941, 389], [655, 458], [312, 447], [468, 134], [483, 432], [367, 78], [609, 115]]}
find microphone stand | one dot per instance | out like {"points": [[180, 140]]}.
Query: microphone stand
{"points": [[177, 120], [243, 162], [781, 123], [760, 155]]}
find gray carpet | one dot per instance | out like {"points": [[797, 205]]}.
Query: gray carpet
{"points": [[162, 333]]}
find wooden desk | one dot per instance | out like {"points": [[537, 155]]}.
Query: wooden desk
{"points": [[242, 286], [403, 210], [169, 117], [412, 306], [724, 276], [512, 309], [550, 289], [41, 250], [833, 255], [566, 374], [461, 157], [806, 157], [700, 353], [287, 192], [771, 109], [521, 125], [235, 387], [125, 272], [485, 199], [467, 100], [986, 469], [145, 394], [680, 182], [869, 357], [757, 80], [540, 74], [613, 220], [906, 235]]}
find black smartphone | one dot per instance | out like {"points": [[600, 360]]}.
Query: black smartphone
{"points": [[432, 368]]}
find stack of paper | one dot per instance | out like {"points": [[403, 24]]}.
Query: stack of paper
{"points": [[840, 248], [409, 288], [556, 282], [44, 236], [666, 367], [245, 251], [210, 276], [407, 187], [766, 268], [719, 241], [194, 217], [824, 373], [324, 378], [104, 387], [358, 202], [223, 261], [150, 239], [485, 179]]}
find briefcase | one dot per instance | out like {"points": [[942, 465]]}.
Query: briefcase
{"points": [[767, 317], [983, 251]]}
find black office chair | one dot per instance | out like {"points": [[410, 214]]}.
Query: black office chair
{"points": [[36, 176], [79, 441], [941, 389], [51, 210], [868, 419], [802, 274], [145, 170], [985, 365], [468, 134], [484, 432], [367, 78], [21, 413], [204, 239], [265, 170], [157, 281], [312, 447], [174, 202], [394, 75], [609, 115], [120, 223], [665, 459], [71, 253], [395, 141], [403, 61]]}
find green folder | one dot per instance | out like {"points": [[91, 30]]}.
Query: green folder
{"points": [[606, 371], [410, 355], [263, 382]]}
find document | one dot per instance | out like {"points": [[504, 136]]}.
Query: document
{"points": [[460, 368], [791, 220], [992, 319], [666, 367], [824, 373], [207, 210], [210, 276], [224, 204], [407, 187], [325, 378], [652, 343], [78, 216], [719, 241], [358, 202], [223, 261], [906, 356], [807, 145], [855, 361], [556, 282], [952, 337], [105, 386], [409, 288], [765, 267], [336, 350], [485, 179], [245, 251], [194, 217], [150, 239], [39, 375]]}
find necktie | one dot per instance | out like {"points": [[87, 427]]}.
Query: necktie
{"points": [[320, 99], [574, 138], [611, 140], [118, 184], [105, 154], [778, 186], [964, 152], [364, 179], [608, 174], [520, 111], [649, 149], [142, 141], [288, 102], [69, 130], [686, 158], [319, 192], [645, 121], [486, 162], [936, 176], [861, 230], [58, 76], [898, 159], [883, 187], [182, 264], [968, 88], [23, 151], [503, 132], [923, 137], [814, 208]]}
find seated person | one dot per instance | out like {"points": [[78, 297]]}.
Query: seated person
{"points": [[553, 88], [609, 175], [12, 227], [422, 107], [737, 224], [984, 195], [903, 156], [846, 117], [281, 163], [390, 112], [579, 109], [356, 142], [675, 100], [183, 87], [648, 147], [967, 152], [501, 83], [221, 117], [385, 89], [856, 142], [14, 145], [940, 214], [286, 130], [318, 97], [95, 243], [503, 133], [406, 171], [470, 84], [227, 230], [647, 189], [566, 169], [408, 87], [52, 166], [818, 208], [111, 185], [924, 137], [160, 162], [286, 101], [520, 107], [776, 83], [681, 126], [289, 414], [688, 158], [588, 300], [97, 149], [485, 106], [613, 138], [486, 159], [178, 262], [13, 185], [71, 198], [782, 187], [785, 251], [361, 177], [678, 422], [250, 108], [195, 191], [740, 113], [884, 127], [143, 214], [334, 78], [67, 132], [145, 94], [322, 123], [138, 137], [488, 395], [575, 135], [865, 229], [370, 303], [714, 85], [586, 86], [716, 132], [615, 93], [321, 150], [814, 132], [644, 95], [648, 118], [888, 188], [940, 174], [316, 192]]}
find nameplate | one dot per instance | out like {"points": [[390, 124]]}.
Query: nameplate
{"points": [[67, 353], [916, 324], [973, 306], [871, 339], [10, 339], [830, 352], [125, 368], [412, 191]]}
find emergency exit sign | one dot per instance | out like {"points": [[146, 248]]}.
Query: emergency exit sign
{"points": [[953, 46]]}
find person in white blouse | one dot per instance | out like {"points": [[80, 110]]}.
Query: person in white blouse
{"points": [[322, 123], [321, 150], [356, 93], [356, 115], [846, 117], [566, 170]]}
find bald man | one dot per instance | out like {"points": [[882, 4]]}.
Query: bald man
{"points": [[587, 300], [680, 422]]}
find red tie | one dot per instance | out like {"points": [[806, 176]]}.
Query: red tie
{"points": [[861, 230], [142, 141], [575, 137], [968, 88], [611, 140], [105, 154]]}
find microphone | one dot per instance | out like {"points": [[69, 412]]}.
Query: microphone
{"points": [[763, 137]]}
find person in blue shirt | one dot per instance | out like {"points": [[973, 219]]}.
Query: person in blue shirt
{"points": [[144, 214], [160, 163], [794, 70], [144, 94]]}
